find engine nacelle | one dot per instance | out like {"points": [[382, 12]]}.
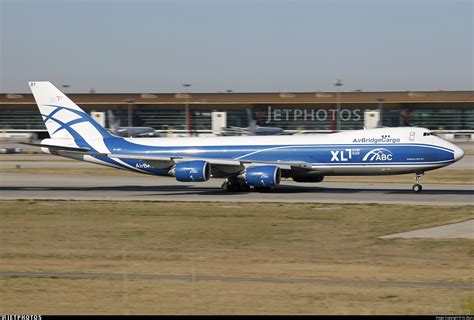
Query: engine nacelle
{"points": [[192, 171], [263, 176]]}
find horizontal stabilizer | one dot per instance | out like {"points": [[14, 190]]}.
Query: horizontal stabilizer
{"points": [[55, 147]]}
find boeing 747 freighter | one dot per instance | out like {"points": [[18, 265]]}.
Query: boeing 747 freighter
{"points": [[246, 163]]}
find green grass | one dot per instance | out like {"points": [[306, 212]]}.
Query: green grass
{"points": [[468, 305], [322, 241]]}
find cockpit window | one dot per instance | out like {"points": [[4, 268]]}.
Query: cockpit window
{"points": [[431, 133]]}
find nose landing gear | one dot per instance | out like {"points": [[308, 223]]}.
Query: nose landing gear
{"points": [[417, 187]]}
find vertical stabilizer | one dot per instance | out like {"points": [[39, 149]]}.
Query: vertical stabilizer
{"points": [[63, 118]]}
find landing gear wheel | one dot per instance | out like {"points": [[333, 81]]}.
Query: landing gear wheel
{"points": [[244, 187], [417, 188], [235, 186], [262, 189], [225, 186]]}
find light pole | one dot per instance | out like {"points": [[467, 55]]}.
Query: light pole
{"points": [[338, 84], [187, 115], [380, 101], [130, 122]]}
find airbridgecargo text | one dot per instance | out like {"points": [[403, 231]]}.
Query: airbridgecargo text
{"points": [[376, 140]]}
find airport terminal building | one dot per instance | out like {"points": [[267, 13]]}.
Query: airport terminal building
{"points": [[304, 112]]}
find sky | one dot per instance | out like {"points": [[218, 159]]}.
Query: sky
{"points": [[240, 45]]}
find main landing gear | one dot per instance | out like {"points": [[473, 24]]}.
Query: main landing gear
{"points": [[417, 186], [235, 185]]}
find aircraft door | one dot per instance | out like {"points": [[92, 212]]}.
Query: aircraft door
{"points": [[412, 136]]}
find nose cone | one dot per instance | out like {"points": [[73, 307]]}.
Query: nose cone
{"points": [[458, 153]]}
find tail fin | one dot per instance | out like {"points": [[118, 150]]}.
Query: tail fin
{"points": [[62, 117]]}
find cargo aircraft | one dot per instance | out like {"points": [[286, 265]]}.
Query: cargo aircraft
{"points": [[246, 163]]}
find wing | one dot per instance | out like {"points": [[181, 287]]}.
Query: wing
{"points": [[285, 165]]}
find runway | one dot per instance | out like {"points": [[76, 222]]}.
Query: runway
{"points": [[148, 188], [458, 230]]}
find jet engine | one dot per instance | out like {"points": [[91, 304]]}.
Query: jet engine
{"points": [[188, 171], [262, 176]]}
